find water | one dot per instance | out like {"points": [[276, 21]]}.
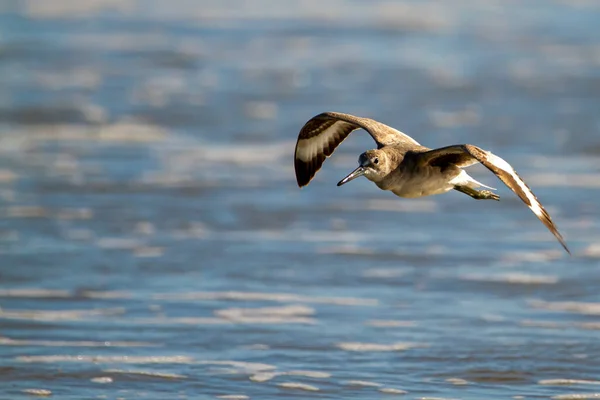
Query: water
{"points": [[154, 243]]}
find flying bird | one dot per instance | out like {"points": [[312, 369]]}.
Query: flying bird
{"points": [[406, 168]]}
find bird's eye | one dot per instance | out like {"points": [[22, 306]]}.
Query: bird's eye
{"points": [[376, 160]]}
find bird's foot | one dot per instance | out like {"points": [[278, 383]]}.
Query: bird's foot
{"points": [[478, 194], [487, 195]]}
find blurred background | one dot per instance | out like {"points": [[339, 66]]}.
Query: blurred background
{"points": [[154, 244]]}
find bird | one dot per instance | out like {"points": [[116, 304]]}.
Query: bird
{"points": [[406, 168]]}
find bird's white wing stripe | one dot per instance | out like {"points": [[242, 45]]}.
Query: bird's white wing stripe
{"points": [[306, 149], [500, 163], [309, 148], [509, 176]]}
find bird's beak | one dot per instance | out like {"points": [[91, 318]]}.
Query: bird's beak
{"points": [[360, 171]]}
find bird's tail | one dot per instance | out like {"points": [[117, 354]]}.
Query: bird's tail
{"points": [[477, 183], [464, 179]]}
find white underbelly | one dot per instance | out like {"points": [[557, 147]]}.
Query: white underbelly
{"points": [[413, 192], [420, 185]]}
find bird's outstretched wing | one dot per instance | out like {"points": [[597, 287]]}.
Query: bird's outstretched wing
{"points": [[322, 134], [464, 155]]}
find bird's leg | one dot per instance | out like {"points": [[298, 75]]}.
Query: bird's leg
{"points": [[477, 194]]}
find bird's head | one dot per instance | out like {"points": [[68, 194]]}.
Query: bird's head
{"points": [[372, 165]]}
